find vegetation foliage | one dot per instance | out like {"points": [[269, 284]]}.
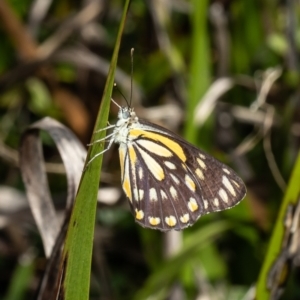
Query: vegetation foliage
{"points": [[223, 74]]}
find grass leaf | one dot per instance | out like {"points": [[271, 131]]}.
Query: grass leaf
{"points": [[79, 242], [291, 198]]}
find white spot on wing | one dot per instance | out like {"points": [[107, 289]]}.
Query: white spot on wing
{"points": [[201, 163], [226, 171], [199, 173], [175, 179], [223, 195], [154, 221], [205, 203], [141, 194], [234, 182], [170, 165], [163, 195], [228, 185], [216, 202], [153, 194], [185, 218], [153, 166], [173, 192], [141, 173], [171, 221]]}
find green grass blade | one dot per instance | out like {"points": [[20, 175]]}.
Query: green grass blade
{"points": [[199, 77], [20, 281], [77, 252], [291, 197]]}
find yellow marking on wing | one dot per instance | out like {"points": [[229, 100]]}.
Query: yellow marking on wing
{"points": [[122, 152], [139, 214], [132, 161], [154, 221], [126, 181], [201, 163], [190, 183], [127, 189], [171, 221], [155, 148], [168, 142], [192, 204], [199, 173], [132, 155]]}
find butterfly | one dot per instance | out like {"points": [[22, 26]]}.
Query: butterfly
{"points": [[169, 182]]}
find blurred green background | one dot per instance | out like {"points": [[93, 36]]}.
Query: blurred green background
{"points": [[54, 58]]}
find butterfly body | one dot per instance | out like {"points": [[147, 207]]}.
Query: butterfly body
{"points": [[170, 183]]}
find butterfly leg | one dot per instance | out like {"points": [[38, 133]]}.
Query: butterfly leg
{"points": [[100, 153], [105, 128], [101, 140], [95, 156]]}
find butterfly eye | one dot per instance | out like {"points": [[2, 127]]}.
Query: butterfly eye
{"points": [[125, 114]]}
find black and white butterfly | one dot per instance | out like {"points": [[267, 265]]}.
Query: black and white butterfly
{"points": [[169, 182]]}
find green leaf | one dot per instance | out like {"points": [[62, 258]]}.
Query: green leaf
{"points": [[199, 77], [40, 98], [22, 276], [77, 252], [291, 197]]}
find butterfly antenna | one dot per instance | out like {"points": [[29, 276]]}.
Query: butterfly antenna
{"points": [[117, 88], [112, 100], [131, 79]]}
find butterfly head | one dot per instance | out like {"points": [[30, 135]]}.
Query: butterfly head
{"points": [[126, 116]]}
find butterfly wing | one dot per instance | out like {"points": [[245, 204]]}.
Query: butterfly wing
{"points": [[170, 183]]}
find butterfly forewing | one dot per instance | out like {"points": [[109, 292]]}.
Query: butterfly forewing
{"points": [[169, 182]]}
